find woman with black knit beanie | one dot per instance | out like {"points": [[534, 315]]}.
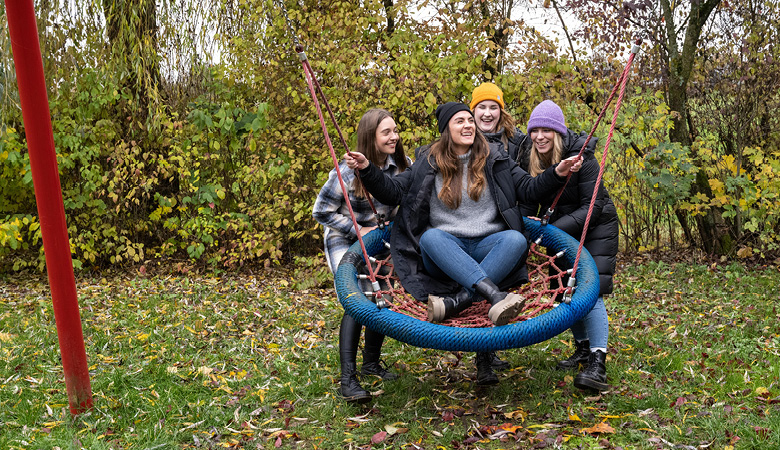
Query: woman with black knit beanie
{"points": [[458, 235]]}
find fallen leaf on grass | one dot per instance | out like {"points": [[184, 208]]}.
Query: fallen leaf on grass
{"points": [[392, 429], [762, 391], [518, 414], [601, 427], [379, 437], [510, 428], [546, 425]]}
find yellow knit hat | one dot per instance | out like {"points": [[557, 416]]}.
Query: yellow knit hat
{"points": [[486, 91]]}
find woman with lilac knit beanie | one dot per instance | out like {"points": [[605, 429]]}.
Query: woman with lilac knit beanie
{"points": [[550, 142]]}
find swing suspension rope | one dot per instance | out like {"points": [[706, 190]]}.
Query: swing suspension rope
{"points": [[621, 85], [314, 89]]}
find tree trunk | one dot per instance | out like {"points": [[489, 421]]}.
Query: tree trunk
{"points": [[388, 4], [497, 32], [712, 230]]}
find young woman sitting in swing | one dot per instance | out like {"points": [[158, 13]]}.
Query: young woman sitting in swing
{"points": [[458, 234]]}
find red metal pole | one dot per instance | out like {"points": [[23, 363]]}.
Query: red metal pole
{"points": [[48, 193]]}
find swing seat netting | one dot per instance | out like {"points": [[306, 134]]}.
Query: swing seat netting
{"points": [[539, 320]]}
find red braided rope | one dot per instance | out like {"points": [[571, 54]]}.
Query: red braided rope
{"points": [[311, 80], [307, 67], [619, 81], [582, 150], [624, 80]]}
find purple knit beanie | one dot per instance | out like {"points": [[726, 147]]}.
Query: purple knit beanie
{"points": [[547, 115]]}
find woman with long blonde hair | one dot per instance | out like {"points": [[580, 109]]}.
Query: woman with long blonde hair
{"points": [[551, 141]]}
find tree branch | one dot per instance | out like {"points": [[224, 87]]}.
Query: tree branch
{"points": [[565, 30]]}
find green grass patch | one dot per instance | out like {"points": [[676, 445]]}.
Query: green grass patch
{"points": [[250, 362]]}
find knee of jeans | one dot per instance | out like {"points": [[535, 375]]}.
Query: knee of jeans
{"points": [[429, 236], [516, 239]]}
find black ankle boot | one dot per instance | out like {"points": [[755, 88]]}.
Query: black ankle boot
{"points": [[485, 374], [594, 376], [350, 388], [580, 356], [441, 308], [497, 363], [505, 306], [372, 364]]}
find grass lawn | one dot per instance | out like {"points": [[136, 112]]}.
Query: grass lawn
{"points": [[252, 362]]}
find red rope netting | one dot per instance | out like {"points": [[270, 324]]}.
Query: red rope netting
{"points": [[546, 283]]}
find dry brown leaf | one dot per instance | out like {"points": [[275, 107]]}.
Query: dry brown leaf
{"points": [[601, 427]]}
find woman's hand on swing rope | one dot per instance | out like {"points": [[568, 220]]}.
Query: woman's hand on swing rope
{"points": [[572, 164], [365, 230], [356, 160]]}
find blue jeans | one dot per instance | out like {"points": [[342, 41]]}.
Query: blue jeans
{"points": [[594, 326], [470, 260]]}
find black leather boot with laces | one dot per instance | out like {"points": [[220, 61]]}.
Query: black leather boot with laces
{"points": [[372, 364], [579, 358], [594, 376], [498, 364], [485, 374]]}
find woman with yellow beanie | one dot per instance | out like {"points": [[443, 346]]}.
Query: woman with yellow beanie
{"points": [[495, 123], [498, 127]]}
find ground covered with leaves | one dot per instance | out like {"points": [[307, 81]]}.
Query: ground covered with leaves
{"points": [[252, 362]]}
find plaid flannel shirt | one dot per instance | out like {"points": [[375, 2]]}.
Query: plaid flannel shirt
{"points": [[331, 211]]}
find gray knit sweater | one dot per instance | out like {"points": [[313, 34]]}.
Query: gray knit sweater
{"points": [[471, 219]]}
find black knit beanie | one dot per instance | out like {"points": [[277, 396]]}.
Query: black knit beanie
{"points": [[445, 112]]}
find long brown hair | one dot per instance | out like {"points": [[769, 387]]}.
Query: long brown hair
{"points": [[366, 144], [507, 122], [538, 162], [447, 161]]}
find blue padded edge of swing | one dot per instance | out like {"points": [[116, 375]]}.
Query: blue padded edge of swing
{"points": [[429, 335]]}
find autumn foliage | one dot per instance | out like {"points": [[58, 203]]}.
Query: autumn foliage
{"points": [[199, 143]]}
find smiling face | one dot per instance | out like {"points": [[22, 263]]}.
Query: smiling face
{"points": [[386, 136], [543, 139], [487, 114], [462, 129]]}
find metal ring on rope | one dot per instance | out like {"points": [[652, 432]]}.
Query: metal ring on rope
{"points": [[429, 335]]}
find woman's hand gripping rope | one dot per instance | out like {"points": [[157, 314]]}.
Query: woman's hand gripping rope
{"points": [[356, 160]]}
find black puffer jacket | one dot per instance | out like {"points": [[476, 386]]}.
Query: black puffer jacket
{"points": [[511, 146], [413, 190], [572, 209]]}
